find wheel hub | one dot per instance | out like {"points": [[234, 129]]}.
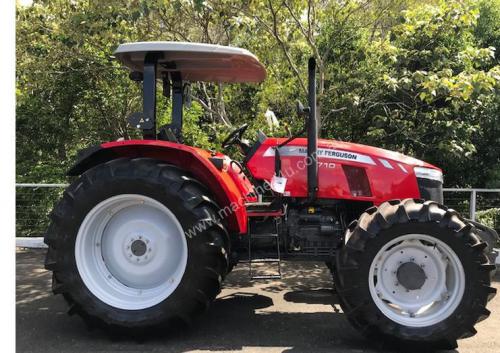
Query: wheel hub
{"points": [[411, 276], [138, 247]]}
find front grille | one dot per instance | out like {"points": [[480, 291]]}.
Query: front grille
{"points": [[430, 189]]}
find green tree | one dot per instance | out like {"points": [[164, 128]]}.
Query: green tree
{"points": [[428, 90], [420, 77]]}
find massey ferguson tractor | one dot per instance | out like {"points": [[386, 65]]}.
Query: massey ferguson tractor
{"points": [[149, 228]]}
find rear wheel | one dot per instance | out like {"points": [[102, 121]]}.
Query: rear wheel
{"points": [[135, 243], [413, 271]]}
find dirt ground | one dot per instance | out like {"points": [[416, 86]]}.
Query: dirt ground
{"points": [[295, 314]]}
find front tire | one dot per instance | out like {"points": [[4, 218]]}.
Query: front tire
{"points": [[135, 243], [413, 272]]}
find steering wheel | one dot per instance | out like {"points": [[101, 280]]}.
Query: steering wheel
{"points": [[234, 136]]}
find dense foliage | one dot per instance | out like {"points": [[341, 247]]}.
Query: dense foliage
{"points": [[418, 77]]}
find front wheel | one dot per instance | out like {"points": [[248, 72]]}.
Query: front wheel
{"points": [[135, 243], [414, 271]]}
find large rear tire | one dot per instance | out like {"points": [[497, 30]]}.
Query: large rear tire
{"points": [[413, 272], [135, 243]]}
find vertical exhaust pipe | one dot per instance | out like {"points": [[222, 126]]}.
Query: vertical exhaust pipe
{"points": [[312, 133]]}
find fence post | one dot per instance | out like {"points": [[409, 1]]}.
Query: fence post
{"points": [[472, 205]]}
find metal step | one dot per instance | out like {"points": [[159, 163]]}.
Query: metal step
{"points": [[257, 261], [266, 277], [257, 204], [262, 209], [277, 260], [264, 235], [265, 213]]}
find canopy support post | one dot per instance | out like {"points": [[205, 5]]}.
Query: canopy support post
{"points": [[177, 104], [149, 95]]}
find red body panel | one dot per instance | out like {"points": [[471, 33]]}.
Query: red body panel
{"points": [[228, 186], [390, 174]]}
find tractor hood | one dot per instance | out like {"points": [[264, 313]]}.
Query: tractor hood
{"points": [[360, 153], [376, 152], [347, 171]]}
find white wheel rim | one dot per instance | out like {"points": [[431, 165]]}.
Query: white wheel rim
{"points": [[131, 252], [439, 274]]}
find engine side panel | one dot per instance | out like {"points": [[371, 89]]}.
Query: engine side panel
{"points": [[389, 174]]}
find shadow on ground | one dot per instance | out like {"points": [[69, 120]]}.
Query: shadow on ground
{"points": [[296, 314]]}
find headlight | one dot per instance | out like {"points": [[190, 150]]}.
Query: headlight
{"points": [[428, 173]]}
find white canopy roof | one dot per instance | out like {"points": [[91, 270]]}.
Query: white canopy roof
{"points": [[195, 61]]}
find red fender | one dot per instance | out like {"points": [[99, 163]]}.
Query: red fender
{"points": [[228, 193]]}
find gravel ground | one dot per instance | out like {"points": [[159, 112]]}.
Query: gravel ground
{"points": [[295, 314]]}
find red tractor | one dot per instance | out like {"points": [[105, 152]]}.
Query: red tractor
{"points": [[145, 234]]}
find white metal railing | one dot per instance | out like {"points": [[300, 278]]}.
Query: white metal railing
{"points": [[41, 185], [35, 201], [33, 205], [476, 200]]}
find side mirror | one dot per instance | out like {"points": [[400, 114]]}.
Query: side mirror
{"points": [[301, 110]]}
